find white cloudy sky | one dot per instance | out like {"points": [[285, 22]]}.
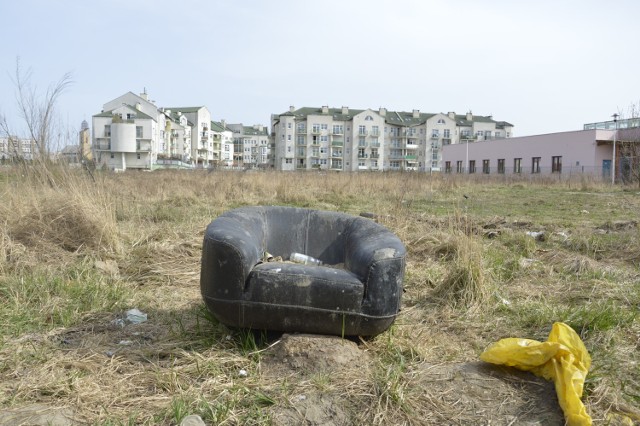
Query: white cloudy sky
{"points": [[544, 66]]}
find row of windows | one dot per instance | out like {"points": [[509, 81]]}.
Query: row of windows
{"points": [[556, 165]]}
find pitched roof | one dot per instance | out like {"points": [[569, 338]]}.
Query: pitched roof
{"points": [[184, 109], [397, 118]]}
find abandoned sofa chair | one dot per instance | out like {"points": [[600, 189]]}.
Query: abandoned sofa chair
{"points": [[356, 291]]}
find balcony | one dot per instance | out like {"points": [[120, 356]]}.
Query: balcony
{"points": [[410, 157], [315, 131], [337, 132], [375, 155], [374, 133], [337, 143], [103, 146], [434, 136], [375, 144]]}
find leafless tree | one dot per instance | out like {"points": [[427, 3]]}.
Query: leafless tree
{"points": [[36, 110], [628, 137]]}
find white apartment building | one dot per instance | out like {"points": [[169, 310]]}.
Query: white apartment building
{"points": [[252, 146], [223, 140], [357, 140], [176, 143], [127, 133], [202, 148], [131, 132], [16, 149]]}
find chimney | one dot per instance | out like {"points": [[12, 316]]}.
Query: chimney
{"points": [[223, 123], [469, 116], [325, 109], [452, 115], [345, 110], [416, 113], [144, 95], [291, 108], [382, 112], [138, 106]]}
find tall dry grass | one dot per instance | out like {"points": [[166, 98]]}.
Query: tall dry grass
{"points": [[47, 220]]}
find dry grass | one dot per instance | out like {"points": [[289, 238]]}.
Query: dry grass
{"points": [[463, 291]]}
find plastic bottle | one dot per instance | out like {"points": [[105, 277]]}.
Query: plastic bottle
{"points": [[304, 259]]}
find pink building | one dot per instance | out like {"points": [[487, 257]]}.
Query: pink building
{"points": [[582, 151]]}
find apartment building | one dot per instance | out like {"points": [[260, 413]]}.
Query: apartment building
{"points": [[252, 146], [17, 149], [202, 147], [345, 139], [127, 133], [223, 143]]}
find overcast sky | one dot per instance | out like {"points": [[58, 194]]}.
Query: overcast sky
{"points": [[544, 66]]}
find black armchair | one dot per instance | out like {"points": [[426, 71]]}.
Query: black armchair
{"points": [[357, 290]]}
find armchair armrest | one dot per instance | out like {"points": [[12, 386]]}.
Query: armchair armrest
{"points": [[377, 257], [233, 245]]}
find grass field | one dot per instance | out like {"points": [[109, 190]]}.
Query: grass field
{"points": [[76, 253]]}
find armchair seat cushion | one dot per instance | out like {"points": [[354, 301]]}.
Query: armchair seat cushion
{"points": [[362, 297]]}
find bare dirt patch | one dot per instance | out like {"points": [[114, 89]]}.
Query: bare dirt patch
{"points": [[458, 393]]}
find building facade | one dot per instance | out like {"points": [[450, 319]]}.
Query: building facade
{"points": [[583, 151], [344, 139], [223, 143], [251, 146], [127, 133], [17, 149]]}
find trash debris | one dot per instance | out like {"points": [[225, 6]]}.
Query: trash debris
{"points": [[243, 373], [192, 420], [125, 342], [304, 259], [132, 316], [526, 262], [537, 235], [584, 211], [563, 358], [110, 354]]}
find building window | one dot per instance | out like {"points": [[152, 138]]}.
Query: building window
{"points": [[368, 118], [324, 126], [361, 153], [362, 130], [302, 128], [138, 131], [338, 129], [485, 167], [107, 131], [112, 156], [447, 166], [288, 160], [501, 165], [472, 166], [138, 155], [446, 133], [435, 133], [315, 128], [556, 164], [288, 138], [459, 167], [288, 125], [517, 165], [535, 165], [362, 141], [440, 121], [302, 140]]}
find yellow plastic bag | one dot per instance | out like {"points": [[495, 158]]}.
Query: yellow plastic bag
{"points": [[563, 358]]}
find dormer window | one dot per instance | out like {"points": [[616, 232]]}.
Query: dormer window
{"points": [[441, 121], [368, 118]]}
